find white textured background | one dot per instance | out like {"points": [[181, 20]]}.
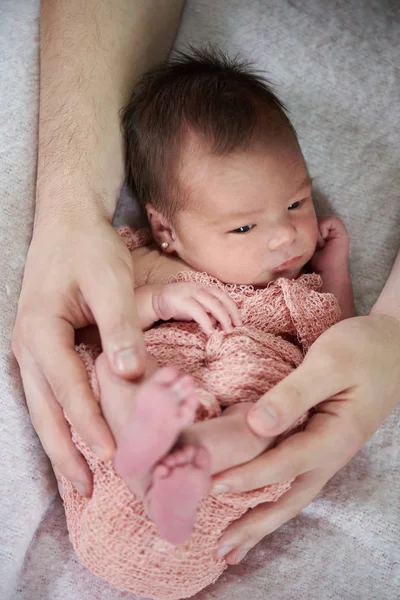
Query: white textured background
{"points": [[336, 65]]}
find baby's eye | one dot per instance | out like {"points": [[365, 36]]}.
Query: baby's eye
{"points": [[243, 229], [296, 205]]}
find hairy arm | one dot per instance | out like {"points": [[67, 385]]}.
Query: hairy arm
{"points": [[78, 270], [91, 52]]}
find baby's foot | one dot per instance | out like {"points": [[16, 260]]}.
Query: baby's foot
{"points": [[164, 406], [179, 482]]}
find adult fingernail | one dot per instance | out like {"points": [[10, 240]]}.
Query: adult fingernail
{"points": [[80, 488], [100, 452], [127, 359], [264, 418], [223, 551], [240, 554], [220, 488]]}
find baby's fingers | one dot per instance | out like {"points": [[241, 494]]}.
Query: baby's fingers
{"points": [[229, 304], [214, 306], [195, 311]]}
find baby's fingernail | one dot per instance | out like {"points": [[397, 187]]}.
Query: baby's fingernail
{"points": [[60, 488], [220, 488], [127, 359], [80, 488], [240, 554], [223, 551]]}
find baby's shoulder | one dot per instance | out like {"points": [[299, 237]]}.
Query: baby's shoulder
{"points": [[153, 266], [150, 264]]}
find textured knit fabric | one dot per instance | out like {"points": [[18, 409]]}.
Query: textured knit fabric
{"points": [[111, 533], [336, 66]]}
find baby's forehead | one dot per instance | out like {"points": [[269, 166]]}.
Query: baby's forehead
{"points": [[199, 166], [240, 187]]}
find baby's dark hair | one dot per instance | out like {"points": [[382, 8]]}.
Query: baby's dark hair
{"points": [[226, 103]]}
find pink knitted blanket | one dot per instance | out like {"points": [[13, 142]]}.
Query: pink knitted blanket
{"points": [[111, 532]]}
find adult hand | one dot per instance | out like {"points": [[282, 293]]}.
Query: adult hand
{"points": [[77, 273], [351, 376]]}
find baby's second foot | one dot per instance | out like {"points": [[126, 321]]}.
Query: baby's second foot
{"points": [[179, 482], [164, 406]]}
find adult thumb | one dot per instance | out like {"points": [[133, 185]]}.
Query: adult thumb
{"points": [[112, 302], [317, 379]]}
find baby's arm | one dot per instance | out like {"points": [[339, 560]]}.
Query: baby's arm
{"points": [[186, 302], [158, 301], [331, 262]]}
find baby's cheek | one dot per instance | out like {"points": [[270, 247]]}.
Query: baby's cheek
{"points": [[312, 234]]}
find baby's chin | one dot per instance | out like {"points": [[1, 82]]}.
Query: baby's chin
{"points": [[263, 280], [287, 274], [290, 273]]}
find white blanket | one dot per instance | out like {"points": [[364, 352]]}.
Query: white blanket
{"points": [[336, 65]]}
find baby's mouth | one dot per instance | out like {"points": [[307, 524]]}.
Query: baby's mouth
{"points": [[291, 262]]}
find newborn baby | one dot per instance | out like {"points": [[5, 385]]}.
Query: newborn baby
{"points": [[216, 164]]}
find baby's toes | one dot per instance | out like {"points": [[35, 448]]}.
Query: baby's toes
{"points": [[179, 457], [188, 385], [166, 376], [201, 458]]}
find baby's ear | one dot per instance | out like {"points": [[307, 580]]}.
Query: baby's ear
{"points": [[160, 227]]}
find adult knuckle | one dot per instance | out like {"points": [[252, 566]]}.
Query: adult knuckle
{"points": [[352, 442], [59, 462], [287, 469], [323, 357], [63, 464], [23, 331], [37, 421], [293, 399], [123, 266], [71, 397]]}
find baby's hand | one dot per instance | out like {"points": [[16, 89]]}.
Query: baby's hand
{"points": [[332, 246], [195, 302]]}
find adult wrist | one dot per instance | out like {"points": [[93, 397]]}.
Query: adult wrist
{"points": [[388, 302], [382, 308], [59, 200]]}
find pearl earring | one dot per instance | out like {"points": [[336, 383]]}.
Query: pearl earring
{"points": [[164, 245]]}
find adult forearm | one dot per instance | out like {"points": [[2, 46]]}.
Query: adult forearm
{"points": [[91, 52], [389, 300]]}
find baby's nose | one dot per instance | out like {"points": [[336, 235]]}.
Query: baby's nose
{"points": [[283, 235]]}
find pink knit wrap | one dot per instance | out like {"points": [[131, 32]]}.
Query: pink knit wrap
{"points": [[111, 532]]}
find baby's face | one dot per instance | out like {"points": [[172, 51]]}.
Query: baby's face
{"points": [[249, 218]]}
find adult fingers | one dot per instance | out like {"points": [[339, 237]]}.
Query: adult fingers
{"points": [[62, 369], [321, 376], [247, 531], [50, 425], [327, 442], [110, 297]]}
